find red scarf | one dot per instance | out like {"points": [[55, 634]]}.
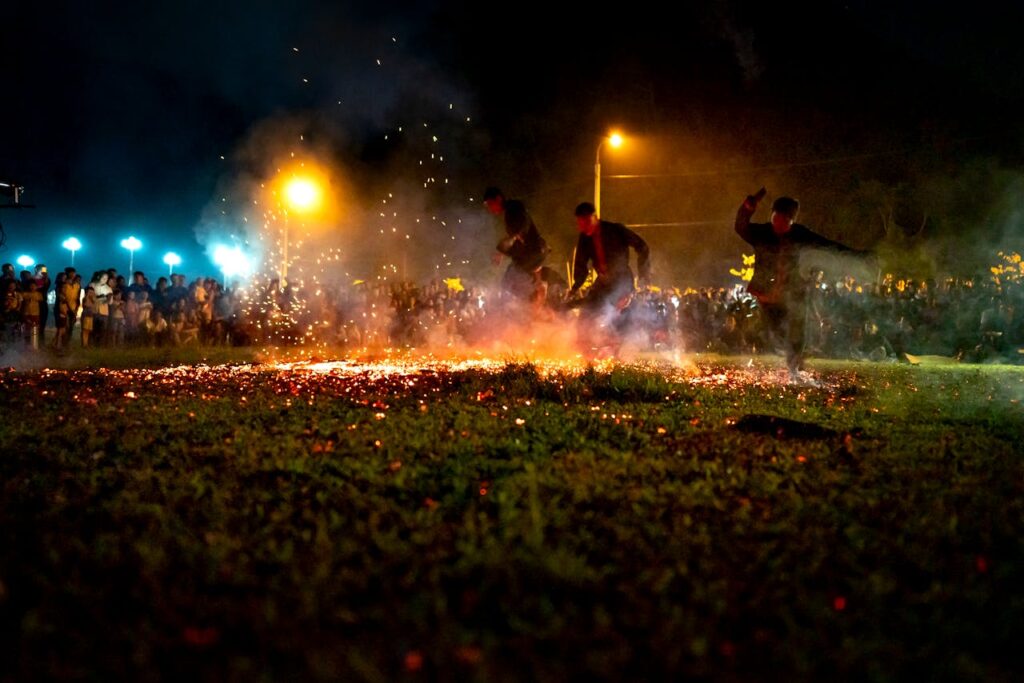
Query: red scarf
{"points": [[601, 265]]}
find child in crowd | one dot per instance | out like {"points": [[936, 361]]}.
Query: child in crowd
{"points": [[31, 304], [117, 317], [131, 316], [145, 311], [88, 314], [12, 310]]}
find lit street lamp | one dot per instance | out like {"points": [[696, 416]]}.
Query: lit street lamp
{"points": [[231, 262], [171, 259], [72, 244], [302, 193], [26, 261], [303, 196], [131, 244], [615, 140]]}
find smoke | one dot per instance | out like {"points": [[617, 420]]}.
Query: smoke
{"points": [[746, 57], [741, 41], [835, 265], [397, 138], [229, 218], [496, 327], [513, 332], [23, 359], [932, 223], [1007, 212], [408, 164]]}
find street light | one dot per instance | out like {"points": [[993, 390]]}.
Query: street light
{"points": [[26, 261], [231, 261], [615, 140], [131, 244], [72, 244], [171, 259], [303, 195]]}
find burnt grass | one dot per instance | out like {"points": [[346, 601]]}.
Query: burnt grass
{"points": [[229, 523]]}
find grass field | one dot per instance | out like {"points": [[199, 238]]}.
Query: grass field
{"points": [[512, 522]]}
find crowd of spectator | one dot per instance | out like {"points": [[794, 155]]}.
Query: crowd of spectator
{"points": [[107, 310], [968, 319], [974, 320]]}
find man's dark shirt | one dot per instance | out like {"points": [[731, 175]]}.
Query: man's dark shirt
{"points": [[777, 257], [135, 288], [528, 250], [43, 287], [610, 255], [174, 294], [158, 298]]}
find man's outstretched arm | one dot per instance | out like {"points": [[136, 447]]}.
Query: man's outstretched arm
{"points": [[643, 255], [746, 212], [579, 267]]}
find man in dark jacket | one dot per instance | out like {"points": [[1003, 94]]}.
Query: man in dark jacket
{"points": [[176, 292], [778, 286], [522, 244], [605, 246], [140, 285]]}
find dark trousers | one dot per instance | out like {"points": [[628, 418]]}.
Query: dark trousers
{"points": [[44, 313], [520, 282], [601, 319], [786, 323]]}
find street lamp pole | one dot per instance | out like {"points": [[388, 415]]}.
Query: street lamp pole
{"points": [[131, 244], [171, 259], [284, 253], [614, 140], [72, 245], [303, 196]]}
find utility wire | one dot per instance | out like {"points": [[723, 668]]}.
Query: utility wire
{"points": [[775, 167]]}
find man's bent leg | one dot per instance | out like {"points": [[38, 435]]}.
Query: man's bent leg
{"points": [[795, 336]]}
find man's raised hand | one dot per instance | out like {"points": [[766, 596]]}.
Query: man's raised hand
{"points": [[753, 199]]}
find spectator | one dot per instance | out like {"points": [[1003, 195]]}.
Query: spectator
{"points": [[101, 312], [31, 304], [139, 284], [158, 297], [73, 300], [89, 306], [156, 329], [42, 280], [60, 311], [117, 318], [12, 308], [145, 311]]}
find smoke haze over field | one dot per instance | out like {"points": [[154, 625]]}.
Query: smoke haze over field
{"points": [[893, 127]]}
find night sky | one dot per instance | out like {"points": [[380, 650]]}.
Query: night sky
{"points": [[121, 119]]}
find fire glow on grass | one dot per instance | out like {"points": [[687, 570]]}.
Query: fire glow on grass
{"points": [[396, 369], [679, 370]]}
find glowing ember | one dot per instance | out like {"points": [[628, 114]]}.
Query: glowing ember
{"points": [[400, 373]]}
